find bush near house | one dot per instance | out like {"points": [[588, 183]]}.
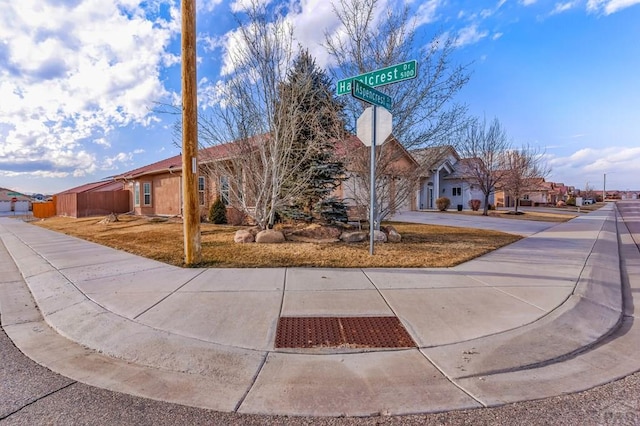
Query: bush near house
{"points": [[475, 204], [443, 203], [218, 212]]}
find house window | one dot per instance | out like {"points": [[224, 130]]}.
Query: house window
{"points": [[136, 194], [201, 188], [146, 193], [525, 197], [224, 189], [456, 192]]}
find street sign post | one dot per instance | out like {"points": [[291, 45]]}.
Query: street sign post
{"points": [[388, 75], [370, 95], [361, 87]]}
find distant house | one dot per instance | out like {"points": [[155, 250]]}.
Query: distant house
{"points": [[12, 201], [445, 175]]}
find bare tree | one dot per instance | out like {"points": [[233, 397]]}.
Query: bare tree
{"points": [[526, 170], [423, 110], [485, 149], [263, 169]]}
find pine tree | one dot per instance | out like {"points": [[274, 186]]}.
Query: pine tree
{"points": [[218, 212], [323, 124]]}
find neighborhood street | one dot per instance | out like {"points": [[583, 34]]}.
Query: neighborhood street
{"points": [[32, 394]]}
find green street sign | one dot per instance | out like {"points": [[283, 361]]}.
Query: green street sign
{"points": [[388, 75], [369, 94], [13, 194]]}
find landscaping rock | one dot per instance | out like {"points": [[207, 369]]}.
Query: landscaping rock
{"points": [[269, 236], [243, 236], [314, 234], [353, 236], [379, 236], [392, 234], [254, 230]]}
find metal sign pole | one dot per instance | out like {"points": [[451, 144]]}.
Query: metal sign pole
{"points": [[372, 206]]}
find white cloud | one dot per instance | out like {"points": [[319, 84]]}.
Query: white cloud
{"points": [[244, 5], [111, 163], [207, 5], [563, 7], [72, 72], [528, 2], [588, 165], [426, 13], [608, 7], [470, 35]]}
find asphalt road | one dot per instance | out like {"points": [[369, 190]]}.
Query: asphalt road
{"points": [[33, 395]]}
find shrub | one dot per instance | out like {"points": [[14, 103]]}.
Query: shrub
{"points": [[443, 203], [218, 212], [571, 201], [475, 204]]}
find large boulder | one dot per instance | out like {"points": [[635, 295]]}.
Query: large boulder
{"points": [[392, 234], [314, 234], [243, 236], [353, 236], [379, 236], [270, 236]]}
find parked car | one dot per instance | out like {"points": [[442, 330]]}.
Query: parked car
{"points": [[587, 201]]}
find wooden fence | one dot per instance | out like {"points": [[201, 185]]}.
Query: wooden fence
{"points": [[92, 203], [44, 210]]}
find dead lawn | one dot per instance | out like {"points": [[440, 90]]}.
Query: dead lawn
{"points": [[162, 240]]}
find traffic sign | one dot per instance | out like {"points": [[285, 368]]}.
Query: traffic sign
{"points": [[388, 75], [383, 126], [369, 94], [13, 194]]}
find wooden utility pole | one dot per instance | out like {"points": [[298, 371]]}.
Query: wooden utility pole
{"points": [[190, 205]]}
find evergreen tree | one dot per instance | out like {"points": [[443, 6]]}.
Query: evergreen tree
{"points": [[218, 212], [321, 127]]}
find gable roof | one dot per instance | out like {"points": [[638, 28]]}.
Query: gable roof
{"points": [[104, 185], [8, 195]]}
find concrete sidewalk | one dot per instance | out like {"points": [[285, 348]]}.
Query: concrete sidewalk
{"points": [[541, 317]]}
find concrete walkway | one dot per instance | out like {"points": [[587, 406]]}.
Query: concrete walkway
{"points": [[550, 314]]}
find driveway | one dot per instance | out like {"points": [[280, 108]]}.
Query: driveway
{"points": [[511, 226]]}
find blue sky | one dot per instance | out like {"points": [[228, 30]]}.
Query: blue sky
{"points": [[79, 80]]}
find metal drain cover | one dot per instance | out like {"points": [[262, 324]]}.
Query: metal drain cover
{"points": [[350, 332]]}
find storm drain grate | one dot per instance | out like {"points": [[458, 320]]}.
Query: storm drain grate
{"points": [[363, 332]]}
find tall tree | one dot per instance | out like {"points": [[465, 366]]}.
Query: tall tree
{"points": [[321, 126], [485, 148], [424, 111], [525, 171], [265, 165]]}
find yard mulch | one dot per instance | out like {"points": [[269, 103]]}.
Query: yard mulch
{"points": [[162, 240]]}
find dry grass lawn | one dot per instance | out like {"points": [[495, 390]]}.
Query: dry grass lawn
{"points": [[162, 240]]}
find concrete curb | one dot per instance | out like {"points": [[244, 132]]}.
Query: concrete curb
{"points": [[588, 316]]}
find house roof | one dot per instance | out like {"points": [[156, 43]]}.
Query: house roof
{"points": [[174, 164], [104, 185], [162, 166], [8, 195], [433, 157]]}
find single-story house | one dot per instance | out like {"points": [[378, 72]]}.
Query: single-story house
{"points": [[12, 201]]}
